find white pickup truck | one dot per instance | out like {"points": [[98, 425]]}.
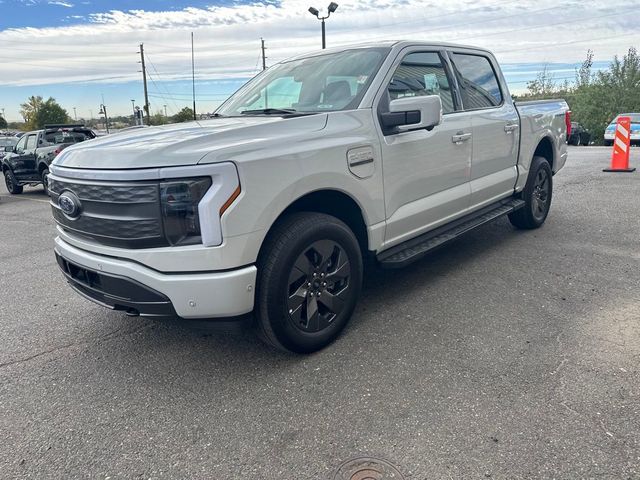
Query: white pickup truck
{"points": [[381, 151]]}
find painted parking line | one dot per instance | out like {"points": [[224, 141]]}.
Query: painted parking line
{"points": [[11, 199]]}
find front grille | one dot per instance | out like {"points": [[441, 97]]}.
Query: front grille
{"points": [[121, 214], [136, 193]]}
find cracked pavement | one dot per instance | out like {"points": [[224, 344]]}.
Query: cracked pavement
{"points": [[506, 354]]}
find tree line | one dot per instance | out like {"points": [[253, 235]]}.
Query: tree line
{"points": [[595, 98], [38, 112]]}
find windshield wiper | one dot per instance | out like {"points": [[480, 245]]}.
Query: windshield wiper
{"points": [[269, 111]]}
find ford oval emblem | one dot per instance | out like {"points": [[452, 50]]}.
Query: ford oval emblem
{"points": [[69, 204]]}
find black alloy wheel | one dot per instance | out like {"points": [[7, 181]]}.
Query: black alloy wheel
{"points": [[309, 280], [45, 180], [541, 195], [319, 285], [537, 194]]}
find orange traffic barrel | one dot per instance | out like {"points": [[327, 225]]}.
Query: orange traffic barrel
{"points": [[621, 147]]}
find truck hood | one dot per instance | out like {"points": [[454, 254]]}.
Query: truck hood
{"points": [[182, 144]]}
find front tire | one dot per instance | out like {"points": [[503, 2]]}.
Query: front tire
{"points": [[12, 184], [537, 195], [309, 280]]}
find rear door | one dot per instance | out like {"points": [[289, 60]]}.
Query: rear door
{"points": [[426, 173], [495, 125]]}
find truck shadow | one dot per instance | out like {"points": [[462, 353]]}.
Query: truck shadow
{"points": [[384, 291]]}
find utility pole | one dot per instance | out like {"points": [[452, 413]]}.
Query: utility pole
{"points": [[144, 82], [193, 78], [75, 115], [165, 111], [264, 57]]}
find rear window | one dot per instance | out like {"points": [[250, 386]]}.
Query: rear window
{"points": [[478, 82], [65, 136], [8, 142]]}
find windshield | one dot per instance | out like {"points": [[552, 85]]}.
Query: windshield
{"points": [[335, 81], [635, 117]]}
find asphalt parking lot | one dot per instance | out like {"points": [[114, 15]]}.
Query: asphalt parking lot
{"points": [[506, 354]]}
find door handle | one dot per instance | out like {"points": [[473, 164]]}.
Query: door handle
{"points": [[510, 128], [460, 137]]}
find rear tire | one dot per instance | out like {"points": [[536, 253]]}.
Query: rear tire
{"points": [[44, 174], [12, 184], [309, 280], [537, 195]]}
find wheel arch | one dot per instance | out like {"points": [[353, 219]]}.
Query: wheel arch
{"points": [[42, 165], [331, 202], [545, 149]]}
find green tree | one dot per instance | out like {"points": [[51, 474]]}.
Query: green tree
{"points": [[158, 118], [543, 85], [3, 123], [51, 112], [595, 98], [608, 93], [29, 111], [184, 115], [37, 113]]}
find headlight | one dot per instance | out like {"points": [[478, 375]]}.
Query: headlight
{"points": [[179, 200]]}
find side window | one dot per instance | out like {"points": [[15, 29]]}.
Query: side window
{"points": [[478, 82], [31, 142], [21, 144], [421, 74]]}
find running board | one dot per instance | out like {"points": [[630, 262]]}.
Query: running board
{"points": [[416, 248]]}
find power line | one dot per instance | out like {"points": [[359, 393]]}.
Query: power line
{"points": [[546, 46], [160, 80]]}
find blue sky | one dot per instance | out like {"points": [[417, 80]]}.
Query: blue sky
{"points": [[78, 51], [47, 13]]}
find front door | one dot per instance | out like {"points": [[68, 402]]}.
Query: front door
{"points": [[426, 173], [23, 161]]}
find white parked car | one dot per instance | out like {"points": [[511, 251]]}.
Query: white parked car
{"points": [[383, 150], [610, 132]]}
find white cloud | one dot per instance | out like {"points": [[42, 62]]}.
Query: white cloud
{"points": [[228, 37], [61, 4]]}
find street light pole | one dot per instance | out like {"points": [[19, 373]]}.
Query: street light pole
{"points": [[75, 115], [333, 6], [103, 111]]}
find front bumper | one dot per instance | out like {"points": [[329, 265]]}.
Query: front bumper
{"points": [[128, 286]]}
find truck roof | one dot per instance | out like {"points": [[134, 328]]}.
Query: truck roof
{"points": [[398, 44]]}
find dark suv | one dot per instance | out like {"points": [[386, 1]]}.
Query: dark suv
{"points": [[27, 163]]}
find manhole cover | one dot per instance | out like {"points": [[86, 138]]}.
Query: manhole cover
{"points": [[367, 468]]}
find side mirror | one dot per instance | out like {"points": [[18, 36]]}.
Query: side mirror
{"points": [[8, 149], [413, 113]]}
